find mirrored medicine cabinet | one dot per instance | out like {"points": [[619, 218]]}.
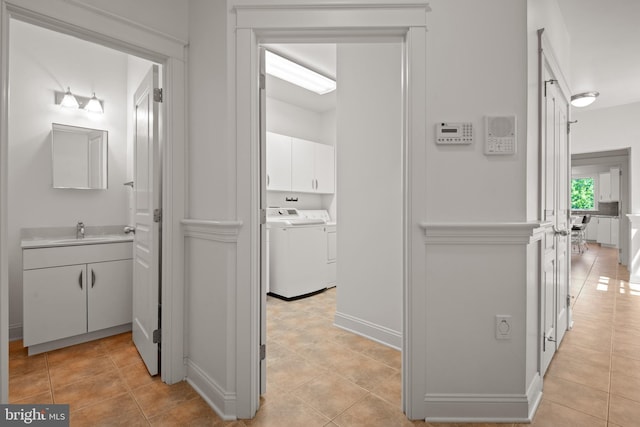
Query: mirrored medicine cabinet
{"points": [[79, 157]]}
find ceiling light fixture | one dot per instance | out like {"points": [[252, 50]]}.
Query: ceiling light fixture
{"points": [[94, 105], [68, 100], [285, 69], [584, 99]]}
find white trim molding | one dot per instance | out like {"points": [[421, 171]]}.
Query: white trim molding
{"points": [[505, 233], [222, 402], [369, 330], [510, 406], [267, 21]]}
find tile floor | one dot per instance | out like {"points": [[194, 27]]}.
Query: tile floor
{"points": [[319, 375]]}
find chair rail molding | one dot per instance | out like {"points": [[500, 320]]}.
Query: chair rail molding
{"points": [[499, 233]]}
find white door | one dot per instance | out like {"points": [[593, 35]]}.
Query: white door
{"points": [[556, 263], [146, 252]]}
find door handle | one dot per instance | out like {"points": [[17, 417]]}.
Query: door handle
{"points": [[560, 232], [128, 229], [93, 278], [80, 279], [268, 180]]}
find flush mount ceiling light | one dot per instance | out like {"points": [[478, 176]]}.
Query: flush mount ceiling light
{"points": [[298, 75], [94, 105], [584, 99], [68, 100]]}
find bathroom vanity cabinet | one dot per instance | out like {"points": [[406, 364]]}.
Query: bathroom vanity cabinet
{"points": [[76, 293]]}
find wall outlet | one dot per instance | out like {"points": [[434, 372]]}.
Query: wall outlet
{"points": [[503, 327]]}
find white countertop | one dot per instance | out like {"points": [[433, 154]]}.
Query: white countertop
{"points": [[39, 242]]}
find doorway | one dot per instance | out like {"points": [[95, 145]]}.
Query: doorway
{"points": [[157, 50], [366, 134]]}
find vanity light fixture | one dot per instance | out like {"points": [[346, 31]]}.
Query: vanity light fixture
{"points": [[94, 105], [68, 100], [584, 99], [298, 75]]}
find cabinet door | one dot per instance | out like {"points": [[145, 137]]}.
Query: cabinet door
{"points": [[615, 231], [278, 162], [324, 166], [592, 229], [110, 288], [615, 184], [302, 166], [604, 188], [55, 303], [604, 231]]}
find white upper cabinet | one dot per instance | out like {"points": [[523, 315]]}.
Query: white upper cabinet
{"points": [[325, 169], [609, 189], [303, 166], [278, 162], [295, 164], [615, 184], [605, 187]]}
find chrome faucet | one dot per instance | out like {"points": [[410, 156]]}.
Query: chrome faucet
{"points": [[80, 230]]}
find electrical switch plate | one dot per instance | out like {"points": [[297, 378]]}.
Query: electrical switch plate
{"points": [[503, 327]]}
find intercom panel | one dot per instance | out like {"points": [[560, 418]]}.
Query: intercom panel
{"points": [[500, 138], [454, 133]]}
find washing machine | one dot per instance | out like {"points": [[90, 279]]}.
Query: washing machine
{"points": [[297, 253]]}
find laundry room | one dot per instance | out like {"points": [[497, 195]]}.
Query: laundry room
{"points": [[333, 181]]}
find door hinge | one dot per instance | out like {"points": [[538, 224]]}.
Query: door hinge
{"points": [[157, 94], [157, 336], [263, 351], [263, 216], [568, 300], [157, 215], [263, 81]]}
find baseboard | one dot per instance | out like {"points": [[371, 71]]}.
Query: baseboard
{"points": [[477, 408], [15, 332], [369, 330], [220, 401], [534, 395], [78, 339]]}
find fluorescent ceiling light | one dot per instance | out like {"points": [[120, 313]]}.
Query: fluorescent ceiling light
{"points": [[584, 99], [294, 73], [69, 101]]}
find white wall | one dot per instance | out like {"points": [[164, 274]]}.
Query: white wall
{"points": [[472, 73], [211, 155], [369, 159], [43, 62]]}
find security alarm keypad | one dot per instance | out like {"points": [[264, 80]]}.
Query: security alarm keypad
{"points": [[454, 133]]}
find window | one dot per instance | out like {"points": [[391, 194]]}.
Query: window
{"points": [[583, 193]]}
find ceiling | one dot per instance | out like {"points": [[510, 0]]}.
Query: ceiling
{"points": [[605, 49], [605, 56]]}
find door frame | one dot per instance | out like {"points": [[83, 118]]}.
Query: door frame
{"points": [[277, 23], [89, 23]]}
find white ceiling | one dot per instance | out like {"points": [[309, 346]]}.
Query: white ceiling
{"points": [[605, 49]]}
